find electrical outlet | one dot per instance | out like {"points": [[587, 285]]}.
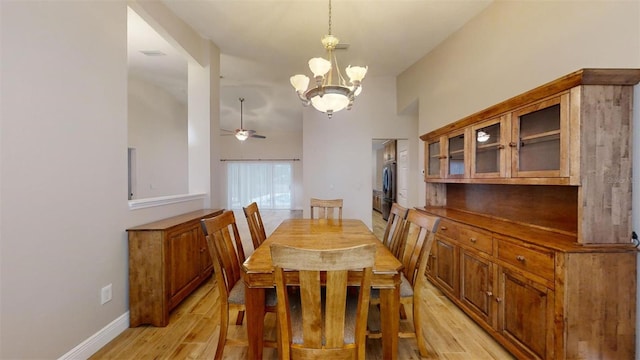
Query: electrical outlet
{"points": [[106, 294]]}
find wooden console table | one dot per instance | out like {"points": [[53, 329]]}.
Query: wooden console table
{"points": [[168, 259]]}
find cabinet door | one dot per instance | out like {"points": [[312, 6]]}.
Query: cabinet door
{"points": [[434, 159], [525, 314], [390, 151], [456, 164], [183, 259], [445, 265], [476, 287], [431, 262], [206, 263], [489, 150], [540, 139]]}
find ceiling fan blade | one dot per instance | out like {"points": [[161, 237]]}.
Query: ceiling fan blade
{"points": [[258, 136]]}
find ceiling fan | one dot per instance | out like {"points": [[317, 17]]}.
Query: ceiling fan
{"points": [[243, 134]]}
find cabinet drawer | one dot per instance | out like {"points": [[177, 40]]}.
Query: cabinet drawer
{"points": [[448, 229], [534, 260], [476, 239]]}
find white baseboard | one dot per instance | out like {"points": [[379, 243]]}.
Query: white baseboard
{"points": [[99, 339]]}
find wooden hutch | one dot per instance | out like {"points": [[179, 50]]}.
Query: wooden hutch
{"points": [[535, 199]]}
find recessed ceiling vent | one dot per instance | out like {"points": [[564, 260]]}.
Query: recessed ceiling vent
{"points": [[153, 52]]}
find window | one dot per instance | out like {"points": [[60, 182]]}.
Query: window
{"points": [[268, 184]]}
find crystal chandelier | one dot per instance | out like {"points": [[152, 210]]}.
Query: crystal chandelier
{"points": [[327, 96]]}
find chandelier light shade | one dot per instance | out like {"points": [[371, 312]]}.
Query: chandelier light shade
{"points": [[325, 95]]}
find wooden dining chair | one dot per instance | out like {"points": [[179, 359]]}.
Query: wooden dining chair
{"points": [[322, 321], [225, 248], [325, 209], [419, 234], [392, 237], [256, 227]]}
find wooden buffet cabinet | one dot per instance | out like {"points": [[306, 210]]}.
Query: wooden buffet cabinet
{"points": [[168, 259], [535, 199]]}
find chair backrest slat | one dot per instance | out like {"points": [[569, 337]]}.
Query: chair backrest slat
{"points": [[225, 247], [323, 315], [311, 309], [256, 227], [336, 303], [394, 230], [419, 234], [326, 209]]}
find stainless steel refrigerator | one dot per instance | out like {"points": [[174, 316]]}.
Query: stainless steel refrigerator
{"points": [[388, 188]]}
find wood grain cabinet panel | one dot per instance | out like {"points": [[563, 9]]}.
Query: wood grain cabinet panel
{"points": [[445, 265], [476, 238], [168, 260], [389, 153], [528, 257], [183, 255], [448, 229], [476, 285], [552, 297], [525, 315], [534, 238]]}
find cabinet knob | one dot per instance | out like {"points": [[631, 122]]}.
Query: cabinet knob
{"points": [[513, 144], [489, 293], [500, 146], [498, 299], [473, 240], [443, 157], [520, 258], [443, 228]]}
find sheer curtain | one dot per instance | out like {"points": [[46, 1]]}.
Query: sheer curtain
{"points": [[269, 184]]}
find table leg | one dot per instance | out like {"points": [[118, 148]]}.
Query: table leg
{"points": [[254, 303], [390, 321]]}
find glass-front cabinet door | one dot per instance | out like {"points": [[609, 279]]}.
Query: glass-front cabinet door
{"points": [[488, 154], [456, 155], [434, 160], [539, 139]]}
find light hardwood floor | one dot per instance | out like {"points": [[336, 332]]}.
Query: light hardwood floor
{"points": [[193, 328]]}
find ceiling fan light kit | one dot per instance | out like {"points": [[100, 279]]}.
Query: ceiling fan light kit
{"points": [[326, 96], [243, 134]]}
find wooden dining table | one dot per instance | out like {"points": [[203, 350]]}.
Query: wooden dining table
{"points": [[322, 234]]}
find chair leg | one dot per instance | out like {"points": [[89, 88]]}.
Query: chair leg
{"points": [[278, 336], [417, 325], [224, 324]]}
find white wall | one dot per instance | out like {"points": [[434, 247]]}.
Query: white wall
{"points": [[63, 172], [514, 46], [158, 133], [337, 151]]}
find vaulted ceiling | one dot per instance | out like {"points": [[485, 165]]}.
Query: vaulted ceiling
{"points": [[264, 42]]}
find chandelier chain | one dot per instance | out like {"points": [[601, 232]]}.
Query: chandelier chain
{"points": [[329, 17]]}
